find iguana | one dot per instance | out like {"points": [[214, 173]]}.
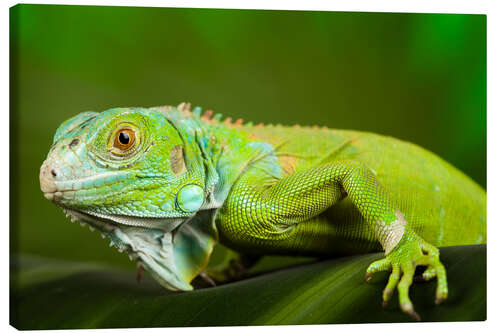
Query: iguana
{"points": [[166, 184]]}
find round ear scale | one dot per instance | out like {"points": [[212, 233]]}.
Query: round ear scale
{"points": [[190, 198]]}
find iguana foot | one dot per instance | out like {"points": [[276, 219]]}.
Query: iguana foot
{"points": [[220, 274], [234, 267], [411, 251], [230, 271]]}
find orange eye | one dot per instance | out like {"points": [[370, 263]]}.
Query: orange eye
{"points": [[124, 139]]}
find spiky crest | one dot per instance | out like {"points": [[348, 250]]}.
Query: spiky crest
{"points": [[217, 119]]}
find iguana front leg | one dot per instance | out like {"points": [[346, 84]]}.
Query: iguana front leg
{"points": [[268, 214]]}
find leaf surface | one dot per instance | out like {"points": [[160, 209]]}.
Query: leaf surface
{"points": [[51, 294]]}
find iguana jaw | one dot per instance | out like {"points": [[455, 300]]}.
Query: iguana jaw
{"points": [[165, 224], [152, 247], [107, 223]]}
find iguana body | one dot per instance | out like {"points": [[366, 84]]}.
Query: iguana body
{"points": [[165, 184]]}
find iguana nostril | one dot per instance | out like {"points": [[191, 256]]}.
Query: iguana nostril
{"points": [[47, 181], [74, 143]]}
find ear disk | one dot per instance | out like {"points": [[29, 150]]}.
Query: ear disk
{"points": [[190, 198]]}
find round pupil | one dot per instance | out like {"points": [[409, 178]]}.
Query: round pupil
{"points": [[124, 138]]}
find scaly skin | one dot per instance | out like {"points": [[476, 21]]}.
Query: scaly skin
{"points": [[178, 182]]}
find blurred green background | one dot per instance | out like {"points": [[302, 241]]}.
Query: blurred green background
{"points": [[418, 77]]}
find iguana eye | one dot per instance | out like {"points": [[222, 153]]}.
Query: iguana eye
{"points": [[124, 139]]}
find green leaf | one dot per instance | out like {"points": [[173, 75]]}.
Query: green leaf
{"points": [[50, 294]]}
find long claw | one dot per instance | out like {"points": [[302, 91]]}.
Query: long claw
{"points": [[439, 300], [208, 279], [386, 296], [408, 309], [140, 271]]}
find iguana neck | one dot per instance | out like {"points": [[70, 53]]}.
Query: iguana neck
{"points": [[232, 151]]}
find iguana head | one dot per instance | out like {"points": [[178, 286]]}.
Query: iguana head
{"points": [[136, 175]]}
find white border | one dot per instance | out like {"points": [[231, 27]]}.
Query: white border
{"points": [[422, 6]]}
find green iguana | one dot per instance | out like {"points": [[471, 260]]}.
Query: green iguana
{"points": [[166, 184]]}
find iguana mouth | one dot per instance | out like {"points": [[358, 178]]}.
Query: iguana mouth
{"points": [[153, 248], [166, 224], [107, 222]]}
